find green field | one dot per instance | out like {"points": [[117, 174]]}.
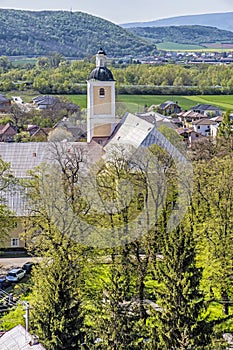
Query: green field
{"points": [[137, 102], [23, 61], [80, 100], [171, 46]]}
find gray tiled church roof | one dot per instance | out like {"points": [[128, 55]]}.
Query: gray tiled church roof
{"points": [[25, 156]]}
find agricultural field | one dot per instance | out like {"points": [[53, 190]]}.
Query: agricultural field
{"points": [[137, 102], [214, 47], [171, 46]]}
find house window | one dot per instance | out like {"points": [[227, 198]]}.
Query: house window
{"points": [[14, 242], [102, 92], [198, 127]]}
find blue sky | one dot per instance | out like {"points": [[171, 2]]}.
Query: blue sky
{"points": [[121, 11]]}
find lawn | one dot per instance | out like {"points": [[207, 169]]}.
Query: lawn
{"points": [[136, 103], [80, 100]]}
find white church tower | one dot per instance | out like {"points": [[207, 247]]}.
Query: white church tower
{"points": [[100, 101]]}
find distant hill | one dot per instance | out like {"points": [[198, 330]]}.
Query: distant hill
{"points": [[195, 35], [73, 34], [219, 20]]}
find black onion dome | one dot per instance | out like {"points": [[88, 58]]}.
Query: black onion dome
{"points": [[102, 74], [101, 51]]}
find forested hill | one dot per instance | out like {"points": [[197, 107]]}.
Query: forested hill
{"points": [[73, 34], [219, 20], [184, 34]]}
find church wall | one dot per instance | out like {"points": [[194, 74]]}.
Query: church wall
{"points": [[102, 104], [102, 129]]}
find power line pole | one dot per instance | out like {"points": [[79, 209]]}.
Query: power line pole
{"points": [[27, 316]]}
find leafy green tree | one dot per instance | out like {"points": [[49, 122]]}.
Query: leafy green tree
{"points": [[213, 211], [178, 323], [5, 64], [7, 185], [226, 127]]}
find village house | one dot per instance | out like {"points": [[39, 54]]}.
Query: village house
{"points": [[189, 135], [169, 107], [214, 127], [202, 126], [4, 103], [7, 133], [188, 117], [38, 133], [77, 129], [207, 110], [45, 102]]}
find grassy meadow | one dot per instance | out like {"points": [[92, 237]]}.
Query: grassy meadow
{"points": [[137, 102]]}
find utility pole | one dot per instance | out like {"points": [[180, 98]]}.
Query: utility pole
{"points": [[27, 316]]}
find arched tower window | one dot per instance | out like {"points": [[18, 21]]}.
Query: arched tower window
{"points": [[102, 92]]}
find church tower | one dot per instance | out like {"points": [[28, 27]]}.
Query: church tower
{"points": [[100, 101]]}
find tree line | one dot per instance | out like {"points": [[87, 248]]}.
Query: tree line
{"points": [[188, 34], [56, 75]]}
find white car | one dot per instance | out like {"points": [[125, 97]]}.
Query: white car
{"points": [[15, 275]]}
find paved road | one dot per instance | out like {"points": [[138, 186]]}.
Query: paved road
{"points": [[8, 263]]}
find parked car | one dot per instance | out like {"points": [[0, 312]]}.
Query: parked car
{"points": [[4, 283], [28, 266], [15, 275]]}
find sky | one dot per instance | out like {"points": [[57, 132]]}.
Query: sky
{"points": [[123, 11]]}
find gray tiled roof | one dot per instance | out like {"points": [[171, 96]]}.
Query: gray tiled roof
{"points": [[46, 100], [205, 107], [138, 132], [18, 339], [25, 156]]}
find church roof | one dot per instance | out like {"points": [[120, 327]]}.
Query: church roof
{"points": [[138, 132], [102, 74], [24, 157]]}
